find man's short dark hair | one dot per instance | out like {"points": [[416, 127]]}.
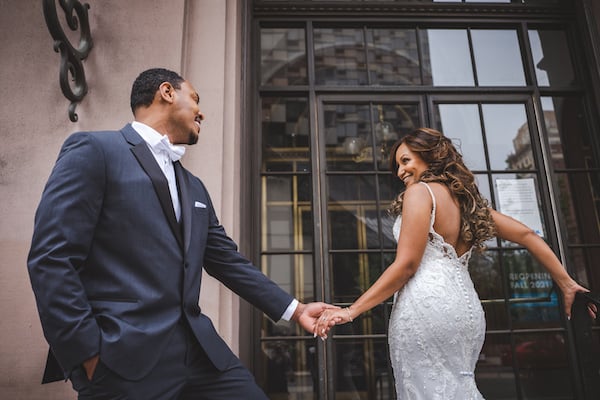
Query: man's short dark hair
{"points": [[146, 84]]}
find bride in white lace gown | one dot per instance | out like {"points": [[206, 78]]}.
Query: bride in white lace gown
{"points": [[437, 326]]}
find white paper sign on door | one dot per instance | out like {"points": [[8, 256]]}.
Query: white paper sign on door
{"points": [[517, 198]]}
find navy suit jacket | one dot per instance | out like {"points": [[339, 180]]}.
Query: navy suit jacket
{"points": [[113, 271]]}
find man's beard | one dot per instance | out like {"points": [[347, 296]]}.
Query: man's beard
{"points": [[193, 138]]}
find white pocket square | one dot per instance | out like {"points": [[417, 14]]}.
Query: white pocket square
{"points": [[198, 204]]}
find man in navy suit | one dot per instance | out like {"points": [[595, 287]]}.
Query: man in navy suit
{"points": [[121, 235]]}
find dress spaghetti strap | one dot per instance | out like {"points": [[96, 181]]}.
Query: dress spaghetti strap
{"points": [[433, 209]]}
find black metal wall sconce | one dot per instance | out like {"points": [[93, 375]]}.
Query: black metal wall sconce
{"points": [[71, 66]]}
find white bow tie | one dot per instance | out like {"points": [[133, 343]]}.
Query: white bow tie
{"points": [[174, 152]]}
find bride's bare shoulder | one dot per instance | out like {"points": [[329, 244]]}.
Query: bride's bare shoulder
{"points": [[416, 192]]}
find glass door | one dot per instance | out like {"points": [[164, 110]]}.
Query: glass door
{"points": [[357, 134], [526, 347], [336, 203], [331, 96]]}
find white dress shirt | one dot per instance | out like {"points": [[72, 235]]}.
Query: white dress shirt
{"points": [[152, 139]]}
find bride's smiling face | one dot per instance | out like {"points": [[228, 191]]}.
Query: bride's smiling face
{"points": [[410, 165]]}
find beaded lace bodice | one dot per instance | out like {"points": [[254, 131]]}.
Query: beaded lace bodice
{"points": [[437, 326]]}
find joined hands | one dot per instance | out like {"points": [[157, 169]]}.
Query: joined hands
{"points": [[331, 317], [318, 318]]}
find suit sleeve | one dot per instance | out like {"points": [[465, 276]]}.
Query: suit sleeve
{"points": [[63, 230], [223, 261]]}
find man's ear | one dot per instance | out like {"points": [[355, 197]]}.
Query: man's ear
{"points": [[166, 92]]}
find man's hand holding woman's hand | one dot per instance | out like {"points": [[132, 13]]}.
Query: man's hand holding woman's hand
{"points": [[307, 315], [331, 317]]}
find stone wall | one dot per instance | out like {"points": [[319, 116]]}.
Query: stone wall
{"points": [[195, 37]]}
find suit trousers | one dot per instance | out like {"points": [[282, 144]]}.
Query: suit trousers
{"points": [[183, 372]]}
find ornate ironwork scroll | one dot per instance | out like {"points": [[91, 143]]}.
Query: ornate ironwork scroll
{"points": [[71, 66]]}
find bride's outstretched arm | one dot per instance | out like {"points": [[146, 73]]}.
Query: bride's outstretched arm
{"points": [[510, 229], [416, 217]]}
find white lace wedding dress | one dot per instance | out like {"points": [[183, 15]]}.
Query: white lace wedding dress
{"points": [[437, 326]]}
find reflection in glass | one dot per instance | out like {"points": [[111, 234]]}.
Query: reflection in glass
{"points": [[290, 366], [578, 190], [497, 57], [484, 187], [347, 133], [347, 270], [390, 186], [496, 315], [544, 2], [352, 274], [551, 58], [494, 373], [288, 213], [294, 274], [285, 134], [461, 123], [543, 366], [344, 226], [568, 199], [446, 57], [579, 201], [360, 136], [355, 189], [473, 1], [568, 135], [580, 260], [282, 56], [371, 220], [507, 133], [393, 57], [486, 275], [552, 129], [387, 223], [340, 57], [361, 370], [595, 351], [533, 302], [391, 122], [384, 129]]}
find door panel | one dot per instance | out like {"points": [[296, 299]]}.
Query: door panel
{"points": [[333, 96], [358, 136]]}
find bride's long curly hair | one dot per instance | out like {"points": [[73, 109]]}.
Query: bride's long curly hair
{"points": [[446, 166]]}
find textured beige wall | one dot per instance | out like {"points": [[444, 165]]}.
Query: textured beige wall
{"points": [[129, 36], [212, 62]]}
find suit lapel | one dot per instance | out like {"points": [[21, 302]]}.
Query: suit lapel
{"points": [[186, 206], [144, 156]]}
